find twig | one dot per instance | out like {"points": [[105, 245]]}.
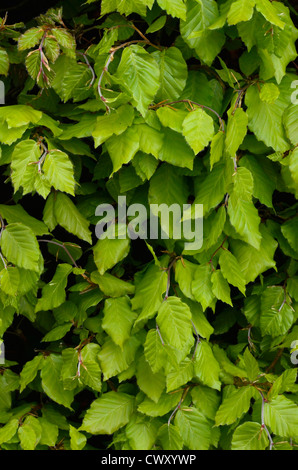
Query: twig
{"points": [[64, 248], [197, 341], [90, 68], [179, 404], [190, 102], [263, 426]]}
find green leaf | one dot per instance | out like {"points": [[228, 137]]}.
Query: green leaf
{"points": [[77, 439], [253, 262], [174, 321], [122, 148], [154, 351], [112, 123], [4, 62], [231, 271], [24, 172], [268, 10], [66, 40], [217, 148], [194, 428], [53, 293], [198, 129], [251, 365], [28, 440], [141, 432], [195, 31], [49, 432], [220, 287], [30, 38], [108, 413], [118, 319], [202, 286], [19, 246], [149, 290], [18, 214], [29, 371], [8, 430], [111, 285], [173, 73], [166, 403], [236, 131], [206, 366], [184, 275], [58, 169], [108, 252], [67, 215], [170, 437], [180, 374], [157, 25], [175, 150], [139, 74], [174, 8], [233, 407], [250, 436], [281, 415], [265, 119], [152, 384], [114, 360], [57, 333], [276, 315], [289, 230], [241, 10], [51, 382]]}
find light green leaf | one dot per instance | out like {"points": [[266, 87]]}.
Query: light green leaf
{"points": [[250, 436], [276, 314], [180, 374], [67, 215], [152, 384], [231, 271], [236, 131], [206, 366], [24, 171], [173, 73], [29, 371], [202, 286], [112, 123], [194, 428], [139, 73], [8, 430], [118, 319], [166, 403], [141, 432], [108, 413], [174, 321], [268, 10], [195, 31], [4, 62], [51, 382], [154, 351], [174, 8], [77, 439], [19, 246], [122, 148], [58, 169], [281, 415], [233, 407], [18, 214], [149, 291], [111, 285], [241, 10], [220, 287], [109, 251], [170, 438], [198, 129], [30, 38], [53, 293]]}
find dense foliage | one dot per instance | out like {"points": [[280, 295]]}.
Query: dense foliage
{"points": [[140, 344]]}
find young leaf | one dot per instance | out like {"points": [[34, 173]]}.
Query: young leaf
{"points": [[108, 413]]}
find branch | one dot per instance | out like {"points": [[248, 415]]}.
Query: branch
{"points": [[61, 246], [263, 426], [190, 102]]}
